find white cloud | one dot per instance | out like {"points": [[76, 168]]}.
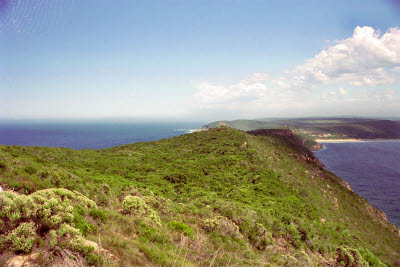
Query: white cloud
{"points": [[367, 59], [342, 91], [248, 89]]}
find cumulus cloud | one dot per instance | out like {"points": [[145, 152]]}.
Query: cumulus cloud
{"points": [[248, 89], [367, 59]]}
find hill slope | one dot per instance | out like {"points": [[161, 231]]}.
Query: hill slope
{"points": [[218, 197]]}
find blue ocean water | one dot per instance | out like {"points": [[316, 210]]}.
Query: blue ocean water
{"points": [[84, 135], [371, 168]]}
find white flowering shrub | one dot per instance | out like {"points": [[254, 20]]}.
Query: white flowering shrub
{"points": [[21, 238], [48, 212], [223, 225], [163, 205], [136, 206]]}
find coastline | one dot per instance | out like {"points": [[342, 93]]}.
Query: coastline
{"points": [[321, 142], [338, 140], [354, 140], [197, 130]]}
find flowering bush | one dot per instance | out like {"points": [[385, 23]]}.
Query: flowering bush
{"points": [[48, 212], [21, 238], [136, 206], [223, 225]]}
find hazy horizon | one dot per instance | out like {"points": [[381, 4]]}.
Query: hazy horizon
{"points": [[198, 61]]}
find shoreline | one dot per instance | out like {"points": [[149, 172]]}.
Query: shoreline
{"points": [[197, 130], [338, 140], [354, 140]]}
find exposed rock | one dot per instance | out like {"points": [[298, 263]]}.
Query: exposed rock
{"points": [[346, 185], [380, 216], [336, 203], [19, 261], [317, 147], [376, 214], [99, 250]]}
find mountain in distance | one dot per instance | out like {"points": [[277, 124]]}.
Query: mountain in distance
{"points": [[322, 128]]}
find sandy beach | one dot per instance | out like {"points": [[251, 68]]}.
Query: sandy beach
{"points": [[338, 140]]}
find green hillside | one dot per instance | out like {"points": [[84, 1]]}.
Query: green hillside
{"points": [[214, 198], [323, 128]]}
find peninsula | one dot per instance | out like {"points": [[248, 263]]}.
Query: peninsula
{"points": [[315, 130]]}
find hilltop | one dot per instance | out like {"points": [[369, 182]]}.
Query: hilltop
{"points": [[218, 197], [322, 128]]}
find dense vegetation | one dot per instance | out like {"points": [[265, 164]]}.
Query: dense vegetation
{"points": [[218, 197], [323, 128]]}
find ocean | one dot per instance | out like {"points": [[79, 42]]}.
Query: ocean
{"points": [[89, 135], [371, 168]]}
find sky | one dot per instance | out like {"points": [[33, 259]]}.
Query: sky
{"points": [[199, 59]]}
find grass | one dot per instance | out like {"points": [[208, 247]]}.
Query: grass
{"points": [[220, 197]]}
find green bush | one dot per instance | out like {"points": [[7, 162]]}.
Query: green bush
{"points": [[30, 170], [3, 166], [181, 227], [99, 215], [349, 257], [81, 223], [259, 237], [370, 257], [103, 195]]}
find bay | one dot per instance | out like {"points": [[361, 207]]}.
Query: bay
{"points": [[371, 168]]}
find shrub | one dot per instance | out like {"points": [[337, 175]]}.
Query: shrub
{"points": [[22, 238], [80, 222], [51, 213], [370, 257], [260, 237], [349, 257], [3, 166], [99, 215], [176, 178], [181, 227], [136, 206], [130, 190], [223, 225], [103, 195], [163, 205], [30, 170]]}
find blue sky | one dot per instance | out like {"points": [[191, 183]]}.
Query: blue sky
{"points": [[198, 60]]}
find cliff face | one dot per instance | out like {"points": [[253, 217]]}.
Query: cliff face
{"points": [[291, 140]]}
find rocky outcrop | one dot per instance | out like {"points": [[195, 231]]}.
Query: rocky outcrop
{"points": [[316, 147]]}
